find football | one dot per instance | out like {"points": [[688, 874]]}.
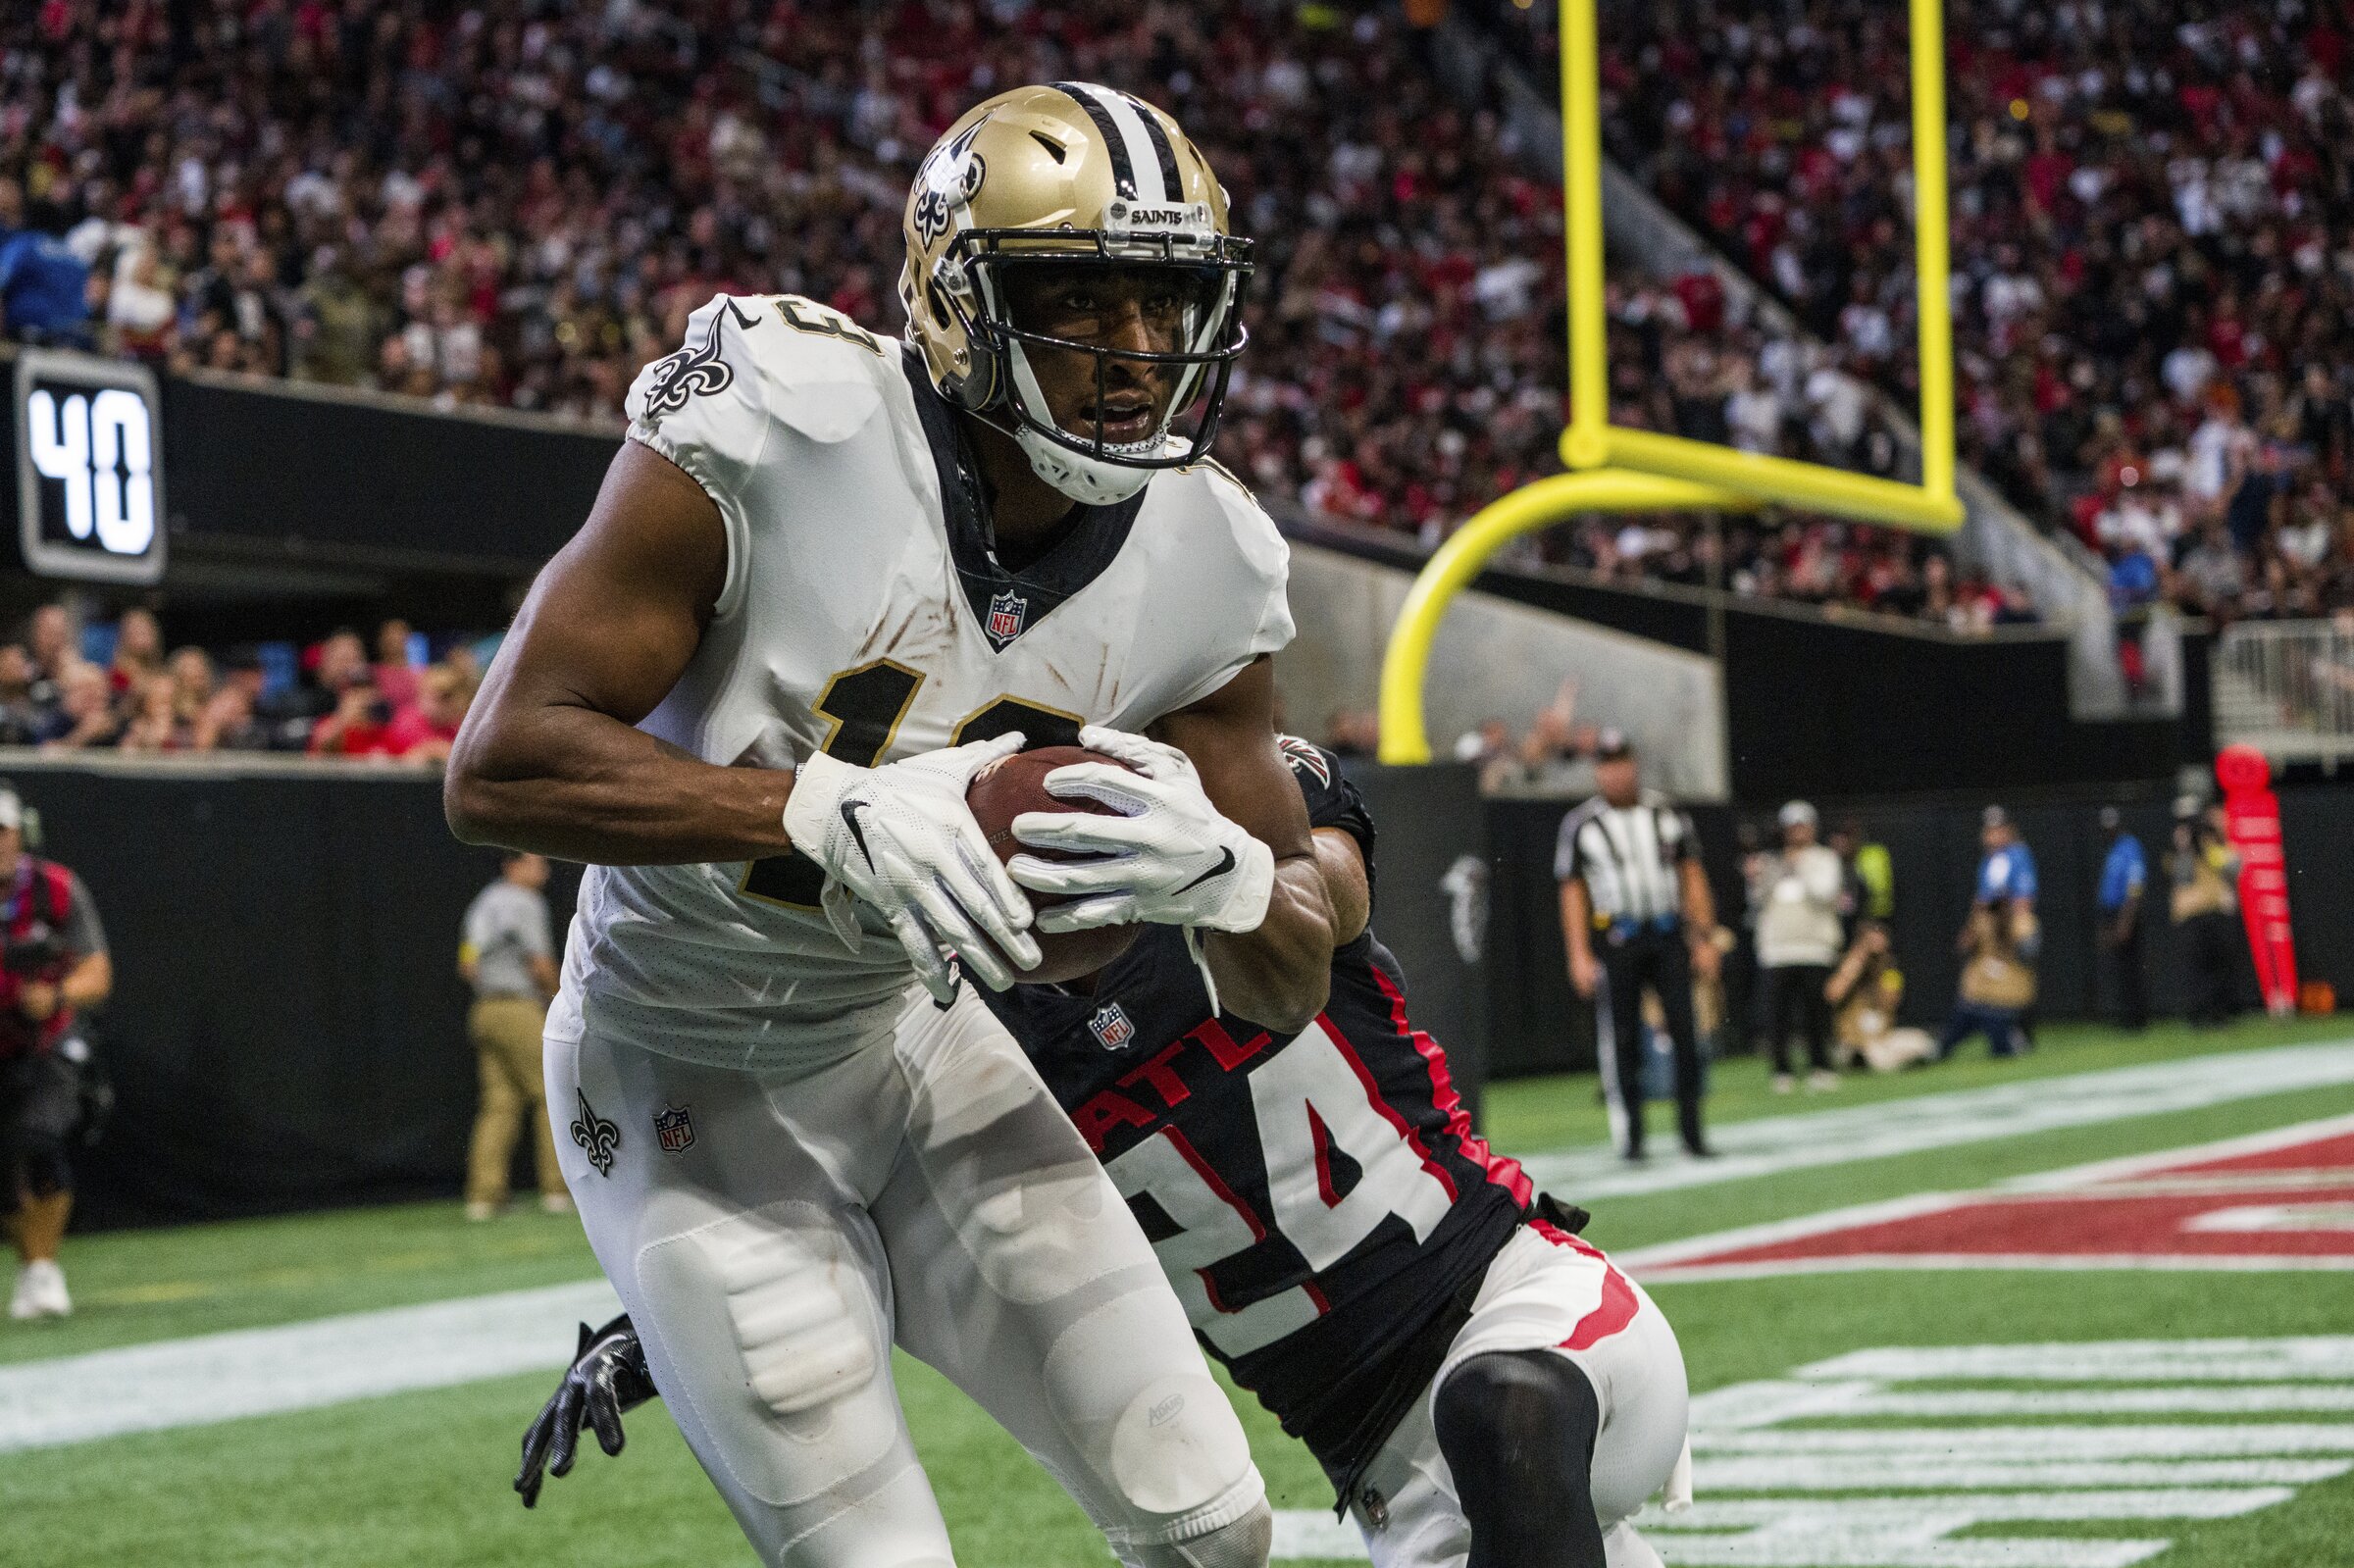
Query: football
{"points": [[1004, 791]]}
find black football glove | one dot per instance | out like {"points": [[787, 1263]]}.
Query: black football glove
{"points": [[607, 1376]]}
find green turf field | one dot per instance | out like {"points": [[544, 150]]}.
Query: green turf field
{"points": [[421, 1477]]}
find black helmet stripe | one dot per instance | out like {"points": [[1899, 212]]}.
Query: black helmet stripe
{"points": [[1172, 187], [1123, 171], [1126, 141]]}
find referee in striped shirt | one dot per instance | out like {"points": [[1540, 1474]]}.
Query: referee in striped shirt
{"points": [[1636, 911]]}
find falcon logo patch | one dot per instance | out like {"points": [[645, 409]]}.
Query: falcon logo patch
{"points": [[693, 372], [1304, 758], [594, 1134], [1009, 614], [1110, 1025], [674, 1129]]}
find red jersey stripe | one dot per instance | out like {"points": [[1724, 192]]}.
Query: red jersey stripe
{"points": [[1503, 1170]]}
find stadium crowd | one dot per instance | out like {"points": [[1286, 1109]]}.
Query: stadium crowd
{"points": [[331, 699], [517, 203], [2152, 249], [1684, 360]]}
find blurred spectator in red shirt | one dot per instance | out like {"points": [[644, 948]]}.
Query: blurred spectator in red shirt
{"points": [[138, 652], [361, 725], [422, 732], [395, 677]]}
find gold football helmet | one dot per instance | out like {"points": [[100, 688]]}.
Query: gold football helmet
{"points": [[1071, 173]]}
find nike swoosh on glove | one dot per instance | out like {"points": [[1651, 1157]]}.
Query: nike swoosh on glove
{"points": [[1169, 858], [901, 839]]}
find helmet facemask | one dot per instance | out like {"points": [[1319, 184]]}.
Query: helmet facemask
{"points": [[1192, 286]]}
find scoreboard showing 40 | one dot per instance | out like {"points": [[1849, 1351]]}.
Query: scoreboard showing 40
{"points": [[89, 468]]}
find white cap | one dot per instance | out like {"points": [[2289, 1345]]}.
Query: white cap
{"points": [[1795, 813], [12, 810]]}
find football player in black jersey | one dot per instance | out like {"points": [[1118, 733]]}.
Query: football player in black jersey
{"points": [[1484, 1388]]}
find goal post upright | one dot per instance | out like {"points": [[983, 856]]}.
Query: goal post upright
{"points": [[1617, 469], [1933, 262], [1591, 441], [1585, 444]]}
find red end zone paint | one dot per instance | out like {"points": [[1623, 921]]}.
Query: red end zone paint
{"points": [[2280, 1200]]}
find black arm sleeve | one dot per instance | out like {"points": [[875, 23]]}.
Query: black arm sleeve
{"points": [[1332, 801]]}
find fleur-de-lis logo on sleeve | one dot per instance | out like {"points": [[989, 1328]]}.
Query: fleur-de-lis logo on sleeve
{"points": [[693, 372]]}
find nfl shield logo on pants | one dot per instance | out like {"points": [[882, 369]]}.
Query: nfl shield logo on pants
{"points": [[1110, 1027], [1007, 613], [674, 1129]]}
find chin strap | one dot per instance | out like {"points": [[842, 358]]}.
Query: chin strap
{"points": [[1091, 481], [1088, 480]]}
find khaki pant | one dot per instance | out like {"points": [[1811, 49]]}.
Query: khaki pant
{"points": [[506, 1039]]}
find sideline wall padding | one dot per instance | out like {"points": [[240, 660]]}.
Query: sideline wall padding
{"points": [[289, 1029], [1427, 819], [288, 1026]]}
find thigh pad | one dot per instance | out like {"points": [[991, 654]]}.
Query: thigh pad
{"points": [[768, 1322]]}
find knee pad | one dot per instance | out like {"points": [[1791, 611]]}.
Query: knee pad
{"points": [[1140, 1409], [1512, 1408], [1243, 1543], [1517, 1430]]}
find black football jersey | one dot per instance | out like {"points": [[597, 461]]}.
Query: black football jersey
{"points": [[1320, 1202]]}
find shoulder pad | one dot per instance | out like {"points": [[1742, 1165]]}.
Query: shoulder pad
{"points": [[820, 372]]}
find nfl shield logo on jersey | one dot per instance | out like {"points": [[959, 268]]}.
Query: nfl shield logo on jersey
{"points": [[674, 1129], [1008, 613], [1110, 1027]]}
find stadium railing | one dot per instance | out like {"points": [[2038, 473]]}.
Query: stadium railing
{"points": [[2288, 688], [1826, 702]]}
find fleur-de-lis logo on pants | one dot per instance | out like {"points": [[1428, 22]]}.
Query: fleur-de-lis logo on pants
{"points": [[598, 1136]]}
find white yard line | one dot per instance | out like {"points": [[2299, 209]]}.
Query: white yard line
{"points": [[1971, 1496], [1921, 1532], [1314, 1533], [1772, 1144], [297, 1366], [2312, 1357]]}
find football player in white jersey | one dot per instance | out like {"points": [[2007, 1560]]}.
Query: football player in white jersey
{"points": [[828, 580]]}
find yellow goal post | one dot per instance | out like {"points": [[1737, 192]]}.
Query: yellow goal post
{"points": [[1614, 467]]}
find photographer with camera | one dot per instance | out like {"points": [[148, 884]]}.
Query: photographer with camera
{"points": [[54, 965], [360, 725]]}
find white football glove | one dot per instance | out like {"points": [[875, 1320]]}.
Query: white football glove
{"points": [[1168, 858], [901, 839]]}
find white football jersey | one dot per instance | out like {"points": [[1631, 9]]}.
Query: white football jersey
{"points": [[864, 613]]}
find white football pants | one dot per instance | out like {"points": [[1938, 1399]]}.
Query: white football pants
{"points": [[1545, 1291], [779, 1231]]}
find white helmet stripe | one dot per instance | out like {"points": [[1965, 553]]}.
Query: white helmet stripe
{"points": [[1134, 140]]}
